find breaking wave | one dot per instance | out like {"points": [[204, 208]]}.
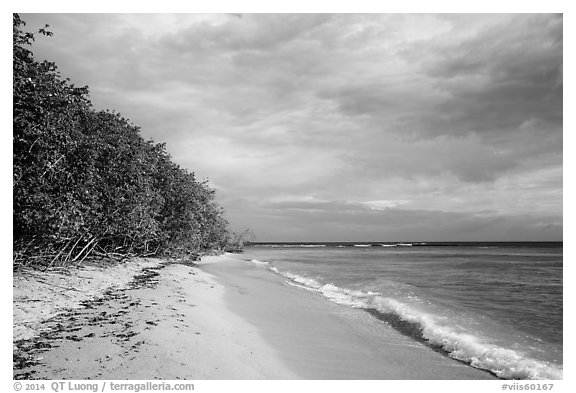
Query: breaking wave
{"points": [[435, 330], [257, 262]]}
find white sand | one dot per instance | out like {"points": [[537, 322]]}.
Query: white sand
{"points": [[179, 329], [39, 296], [230, 319]]}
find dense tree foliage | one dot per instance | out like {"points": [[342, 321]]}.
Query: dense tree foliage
{"points": [[87, 184]]}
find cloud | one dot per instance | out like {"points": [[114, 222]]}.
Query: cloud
{"points": [[420, 120], [384, 204], [489, 81], [360, 221]]}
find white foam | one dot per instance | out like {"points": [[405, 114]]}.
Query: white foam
{"points": [[346, 296], [456, 340], [399, 245], [477, 351], [299, 245], [304, 280], [301, 286], [260, 263]]}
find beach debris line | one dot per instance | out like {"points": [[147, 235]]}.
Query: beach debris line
{"points": [[98, 317]]}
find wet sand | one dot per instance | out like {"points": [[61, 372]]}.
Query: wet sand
{"points": [[318, 339], [226, 319]]}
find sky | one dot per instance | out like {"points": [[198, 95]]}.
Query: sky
{"points": [[345, 127]]}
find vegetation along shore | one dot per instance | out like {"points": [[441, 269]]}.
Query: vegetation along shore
{"points": [[86, 184]]}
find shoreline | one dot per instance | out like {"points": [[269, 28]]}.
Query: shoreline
{"points": [[318, 339], [222, 319]]}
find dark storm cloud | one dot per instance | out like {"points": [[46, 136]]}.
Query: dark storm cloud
{"points": [[492, 81]]}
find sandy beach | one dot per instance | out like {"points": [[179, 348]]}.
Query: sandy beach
{"points": [[224, 319], [347, 196]]}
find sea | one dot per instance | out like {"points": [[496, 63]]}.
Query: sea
{"points": [[496, 306]]}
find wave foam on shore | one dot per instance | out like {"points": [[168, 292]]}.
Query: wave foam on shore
{"points": [[456, 341]]}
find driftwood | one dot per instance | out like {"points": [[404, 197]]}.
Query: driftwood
{"points": [[72, 251]]}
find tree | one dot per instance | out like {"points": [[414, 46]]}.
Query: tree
{"points": [[87, 184]]}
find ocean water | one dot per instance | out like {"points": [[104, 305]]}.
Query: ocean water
{"points": [[495, 306]]}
